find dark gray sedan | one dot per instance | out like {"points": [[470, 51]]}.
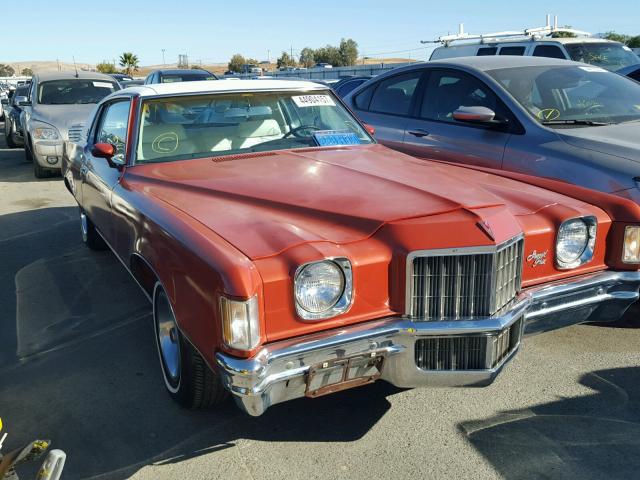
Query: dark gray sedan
{"points": [[540, 116]]}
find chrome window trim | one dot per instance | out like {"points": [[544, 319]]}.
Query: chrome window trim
{"points": [[587, 255], [344, 302], [439, 252]]}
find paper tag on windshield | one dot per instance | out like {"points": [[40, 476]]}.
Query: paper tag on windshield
{"points": [[102, 85], [330, 138], [314, 101], [593, 69]]}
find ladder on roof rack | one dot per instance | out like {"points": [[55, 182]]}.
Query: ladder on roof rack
{"points": [[528, 33]]}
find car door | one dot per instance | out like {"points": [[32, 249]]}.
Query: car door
{"points": [[99, 176], [385, 105], [432, 132]]}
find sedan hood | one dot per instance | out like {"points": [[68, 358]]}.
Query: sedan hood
{"points": [[265, 203], [63, 116], [621, 140]]}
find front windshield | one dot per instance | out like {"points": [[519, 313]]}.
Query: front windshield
{"points": [[186, 127], [612, 56], [74, 91], [189, 77], [568, 95]]}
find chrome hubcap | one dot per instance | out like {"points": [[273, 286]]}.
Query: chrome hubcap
{"points": [[168, 338], [83, 226]]}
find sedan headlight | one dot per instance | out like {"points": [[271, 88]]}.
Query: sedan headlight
{"points": [[631, 247], [323, 289], [576, 241], [45, 133], [240, 323]]}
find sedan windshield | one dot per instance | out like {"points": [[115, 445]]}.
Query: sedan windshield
{"points": [[74, 91], [203, 126], [572, 95], [189, 77], [612, 56]]}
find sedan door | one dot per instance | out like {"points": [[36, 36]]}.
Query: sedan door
{"points": [[434, 133], [100, 176]]}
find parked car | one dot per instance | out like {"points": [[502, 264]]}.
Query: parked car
{"points": [[251, 68], [288, 255], [131, 83], [323, 65], [632, 71], [55, 110], [121, 77], [539, 116], [178, 75], [13, 133], [346, 85]]}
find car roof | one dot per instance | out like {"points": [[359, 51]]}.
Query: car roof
{"points": [[44, 76], [182, 71], [221, 86], [495, 62]]}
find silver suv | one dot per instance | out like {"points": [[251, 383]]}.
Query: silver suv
{"points": [[55, 111]]}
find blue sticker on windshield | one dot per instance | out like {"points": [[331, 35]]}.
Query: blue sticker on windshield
{"points": [[329, 138]]}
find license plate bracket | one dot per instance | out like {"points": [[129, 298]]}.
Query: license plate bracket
{"points": [[343, 373]]}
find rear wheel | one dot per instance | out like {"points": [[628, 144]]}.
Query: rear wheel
{"points": [[8, 135], [90, 236], [188, 378]]}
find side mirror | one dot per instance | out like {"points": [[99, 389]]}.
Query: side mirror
{"points": [[370, 129], [103, 150], [475, 115], [22, 101]]}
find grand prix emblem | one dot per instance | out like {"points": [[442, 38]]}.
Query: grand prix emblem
{"points": [[537, 258]]}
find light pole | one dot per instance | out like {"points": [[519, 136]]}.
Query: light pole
{"points": [[163, 57]]}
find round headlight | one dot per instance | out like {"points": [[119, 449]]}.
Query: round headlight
{"points": [[319, 286], [573, 238]]}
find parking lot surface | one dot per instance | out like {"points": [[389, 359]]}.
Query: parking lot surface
{"points": [[78, 365]]}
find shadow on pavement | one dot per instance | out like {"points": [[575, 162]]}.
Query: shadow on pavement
{"points": [[589, 437], [78, 365]]}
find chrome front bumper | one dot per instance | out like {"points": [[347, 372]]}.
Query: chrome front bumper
{"points": [[281, 370]]}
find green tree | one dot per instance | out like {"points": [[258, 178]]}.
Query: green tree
{"points": [[6, 70], [236, 63], [634, 42], [564, 34], [286, 60], [348, 52], [307, 57], [26, 72], [130, 62], [106, 67], [616, 37], [328, 54]]}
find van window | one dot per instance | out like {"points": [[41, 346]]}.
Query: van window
{"points": [[549, 51], [519, 51], [394, 94], [486, 51]]}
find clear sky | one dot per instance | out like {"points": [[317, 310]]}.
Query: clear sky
{"points": [[211, 31]]}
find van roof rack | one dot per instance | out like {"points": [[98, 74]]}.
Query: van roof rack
{"points": [[529, 33]]}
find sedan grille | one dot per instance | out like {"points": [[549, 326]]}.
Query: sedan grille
{"points": [[75, 133], [465, 285], [473, 352]]}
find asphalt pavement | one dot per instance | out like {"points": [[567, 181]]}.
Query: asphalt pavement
{"points": [[78, 365]]}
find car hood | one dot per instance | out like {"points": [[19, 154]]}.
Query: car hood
{"points": [[62, 116], [621, 140], [267, 202]]}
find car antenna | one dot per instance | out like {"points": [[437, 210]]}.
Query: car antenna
{"points": [[75, 66]]}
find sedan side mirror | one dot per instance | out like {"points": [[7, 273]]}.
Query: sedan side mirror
{"points": [[103, 150], [475, 115], [22, 101]]}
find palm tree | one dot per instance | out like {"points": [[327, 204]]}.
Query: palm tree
{"points": [[130, 62]]}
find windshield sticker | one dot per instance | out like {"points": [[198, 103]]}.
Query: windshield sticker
{"points": [[593, 69], [313, 101], [329, 138], [102, 84], [548, 114]]}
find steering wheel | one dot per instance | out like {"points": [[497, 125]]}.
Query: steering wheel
{"points": [[301, 128], [594, 109]]}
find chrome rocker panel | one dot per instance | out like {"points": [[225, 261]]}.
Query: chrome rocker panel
{"points": [[279, 371]]}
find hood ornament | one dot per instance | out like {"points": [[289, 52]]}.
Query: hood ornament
{"points": [[486, 228], [538, 258]]}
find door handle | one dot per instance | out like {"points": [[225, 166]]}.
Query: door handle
{"points": [[419, 132]]}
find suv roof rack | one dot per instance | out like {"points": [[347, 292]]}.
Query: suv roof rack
{"points": [[528, 33]]}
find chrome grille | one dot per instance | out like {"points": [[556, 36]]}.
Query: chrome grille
{"points": [[473, 352], [75, 133], [469, 283]]}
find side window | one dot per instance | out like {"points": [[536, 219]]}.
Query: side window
{"points": [[518, 51], [363, 99], [394, 94], [486, 51], [113, 127], [549, 51], [448, 90]]}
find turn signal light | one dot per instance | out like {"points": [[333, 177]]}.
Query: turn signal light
{"points": [[631, 247]]}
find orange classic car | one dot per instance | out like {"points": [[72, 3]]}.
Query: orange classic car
{"points": [[286, 254]]}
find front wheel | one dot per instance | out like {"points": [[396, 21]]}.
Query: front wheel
{"points": [[188, 378]]}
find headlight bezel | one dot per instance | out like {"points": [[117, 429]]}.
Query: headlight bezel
{"points": [[42, 126], [586, 256], [345, 299], [623, 258], [251, 322]]}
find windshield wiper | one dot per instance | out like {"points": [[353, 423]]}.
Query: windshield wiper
{"points": [[589, 123]]}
